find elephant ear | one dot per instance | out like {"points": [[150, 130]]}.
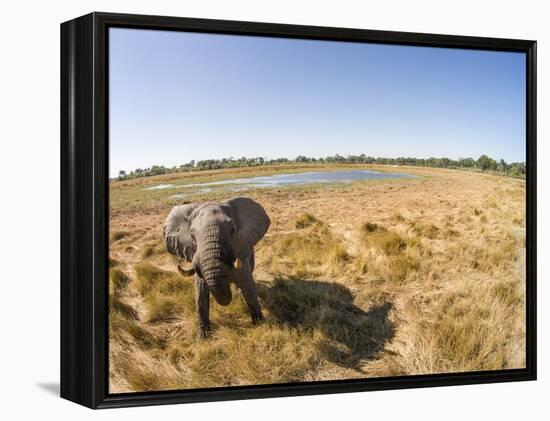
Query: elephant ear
{"points": [[252, 223], [176, 232]]}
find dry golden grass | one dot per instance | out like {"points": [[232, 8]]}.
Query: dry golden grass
{"points": [[386, 278], [312, 252], [306, 220]]}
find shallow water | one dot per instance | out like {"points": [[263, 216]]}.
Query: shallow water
{"points": [[160, 187], [276, 180]]}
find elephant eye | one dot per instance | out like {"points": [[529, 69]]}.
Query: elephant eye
{"points": [[232, 230]]}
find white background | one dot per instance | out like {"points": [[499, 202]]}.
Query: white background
{"points": [[29, 210]]}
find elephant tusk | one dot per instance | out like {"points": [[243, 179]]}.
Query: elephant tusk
{"points": [[186, 272], [238, 263]]}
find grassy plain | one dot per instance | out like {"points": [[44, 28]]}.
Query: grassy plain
{"points": [[373, 278]]}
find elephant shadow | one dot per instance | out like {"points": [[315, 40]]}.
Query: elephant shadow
{"points": [[351, 335]]}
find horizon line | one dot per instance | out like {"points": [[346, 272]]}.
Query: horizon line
{"points": [[295, 159]]}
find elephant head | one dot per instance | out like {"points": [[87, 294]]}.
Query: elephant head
{"points": [[216, 238]]}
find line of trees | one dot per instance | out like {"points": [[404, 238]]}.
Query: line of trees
{"points": [[483, 163]]}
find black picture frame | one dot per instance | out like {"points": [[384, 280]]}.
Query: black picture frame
{"points": [[84, 209]]}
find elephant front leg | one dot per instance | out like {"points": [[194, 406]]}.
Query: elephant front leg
{"points": [[202, 301], [248, 288]]}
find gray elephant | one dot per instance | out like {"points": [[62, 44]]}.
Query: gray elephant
{"points": [[218, 239]]}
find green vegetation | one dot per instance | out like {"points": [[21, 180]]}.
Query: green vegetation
{"points": [[483, 163]]}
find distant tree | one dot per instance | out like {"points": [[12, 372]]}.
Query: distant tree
{"points": [[517, 169], [485, 163], [502, 166], [466, 162]]}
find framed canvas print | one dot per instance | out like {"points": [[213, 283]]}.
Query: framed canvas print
{"points": [[257, 210]]}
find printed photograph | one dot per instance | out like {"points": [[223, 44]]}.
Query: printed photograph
{"points": [[292, 210]]}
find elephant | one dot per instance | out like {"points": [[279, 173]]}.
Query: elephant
{"points": [[218, 238]]}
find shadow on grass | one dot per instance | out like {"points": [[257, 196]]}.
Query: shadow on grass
{"points": [[351, 335]]}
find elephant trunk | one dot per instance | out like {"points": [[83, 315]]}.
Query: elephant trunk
{"points": [[215, 264]]}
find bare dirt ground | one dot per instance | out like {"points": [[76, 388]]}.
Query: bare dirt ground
{"points": [[373, 278]]}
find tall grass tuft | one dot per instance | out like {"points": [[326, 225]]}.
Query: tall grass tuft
{"points": [[424, 229], [167, 295], [118, 235], [378, 237], [308, 253], [306, 220]]}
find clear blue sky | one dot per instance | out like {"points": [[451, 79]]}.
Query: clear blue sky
{"points": [[178, 96]]}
